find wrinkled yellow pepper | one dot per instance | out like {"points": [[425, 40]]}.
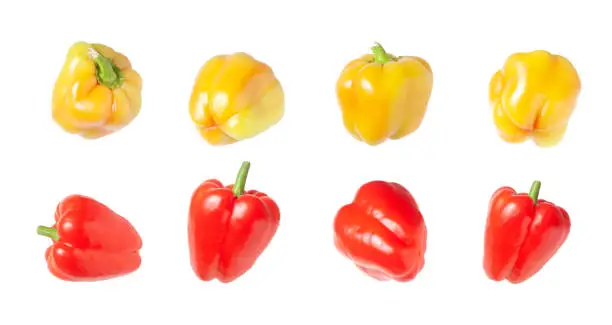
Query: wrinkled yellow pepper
{"points": [[534, 96], [382, 96], [235, 97], [97, 92]]}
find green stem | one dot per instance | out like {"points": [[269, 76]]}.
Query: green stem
{"points": [[535, 191], [380, 55], [241, 178], [47, 232], [107, 72]]}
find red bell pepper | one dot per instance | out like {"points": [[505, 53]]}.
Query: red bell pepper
{"points": [[383, 232], [90, 242], [522, 234], [229, 228]]}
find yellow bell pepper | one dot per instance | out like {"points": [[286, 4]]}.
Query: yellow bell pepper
{"points": [[533, 96], [382, 96], [235, 97], [97, 92]]}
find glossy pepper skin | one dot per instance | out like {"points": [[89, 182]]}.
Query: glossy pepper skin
{"points": [[97, 92], [534, 96], [384, 97], [522, 234], [90, 242], [235, 97], [383, 232], [229, 228]]}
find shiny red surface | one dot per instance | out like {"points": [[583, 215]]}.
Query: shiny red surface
{"points": [[521, 237], [94, 243], [227, 234], [383, 232]]}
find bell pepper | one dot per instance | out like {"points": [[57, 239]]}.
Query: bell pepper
{"points": [[534, 96], [97, 92], [229, 228], [382, 96], [235, 97], [383, 232], [522, 234], [91, 242]]}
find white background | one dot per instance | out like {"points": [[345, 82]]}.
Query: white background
{"points": [[307, 163]]}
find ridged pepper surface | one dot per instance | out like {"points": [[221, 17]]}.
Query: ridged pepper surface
{"points": [[97, 92]]}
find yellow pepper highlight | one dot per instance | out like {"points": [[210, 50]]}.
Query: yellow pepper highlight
{"points": [[97, 92], [534, 96], [384, 97], [235, 97]]}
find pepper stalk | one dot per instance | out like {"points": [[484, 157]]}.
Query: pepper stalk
{"points": [[380, 55], [107, 72], [534, 192], [241, 179], [47, 232]]}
